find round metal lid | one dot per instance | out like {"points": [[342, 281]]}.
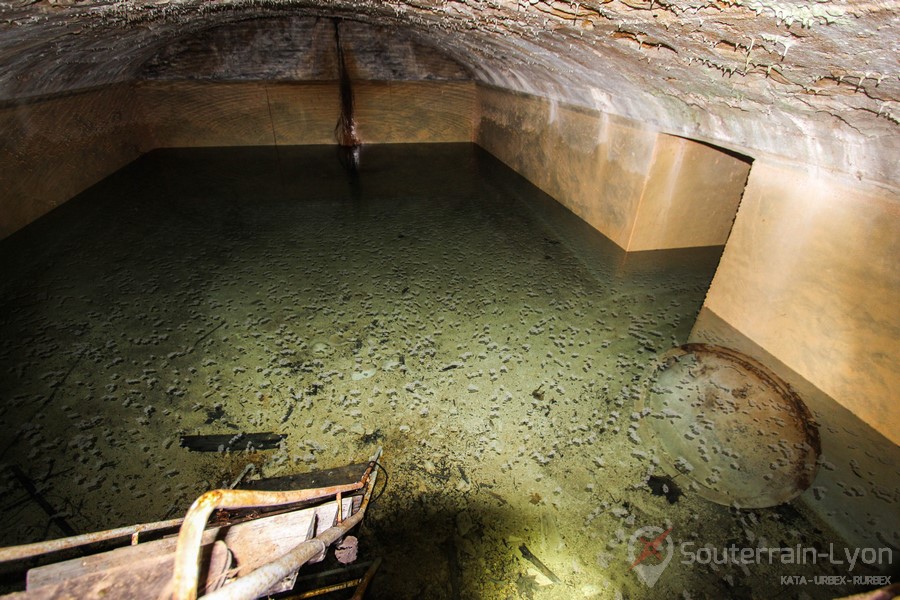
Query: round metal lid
{"points": [[731, 425]]}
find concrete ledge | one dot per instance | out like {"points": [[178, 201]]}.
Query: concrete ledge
{"points": [[810, 275], [188, 113], [690, 196]]}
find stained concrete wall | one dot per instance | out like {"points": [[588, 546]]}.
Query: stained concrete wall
{"points": [[249, 82], [690, 196], [857, 487], [642, 189], [421, 111], [809, 279], [810, 274], [594, 164], [189, 113], [185, 114], [53, 148]]}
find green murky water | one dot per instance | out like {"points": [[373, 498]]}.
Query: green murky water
{"points": [[439, 306]]}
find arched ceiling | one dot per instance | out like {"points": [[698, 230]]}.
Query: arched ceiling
{"points": [[814, 80]]}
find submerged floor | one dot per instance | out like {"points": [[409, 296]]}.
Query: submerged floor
{"points": [[438, 306]]}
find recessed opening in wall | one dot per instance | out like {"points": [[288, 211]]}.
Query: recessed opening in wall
{"points": [[730, 152], [690, 197], [642, 189]]}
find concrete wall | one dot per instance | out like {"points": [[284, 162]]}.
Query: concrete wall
{"points": [[188, 113], [247, 82], [811, 275], [690, 196], [857, 488], [53, 148], [593, 164], [642, 189]]}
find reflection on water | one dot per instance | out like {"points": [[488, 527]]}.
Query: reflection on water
{"points": [[437, 305]]}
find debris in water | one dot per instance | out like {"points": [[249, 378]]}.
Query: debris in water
{"points": [[345, 130], [527, 555], [346, 551], [372, 437], [214, 415], [249, 468], [232, 443], [664, 486]]}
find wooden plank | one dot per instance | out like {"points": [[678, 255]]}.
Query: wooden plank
{"points": [[148, 577], [231, 442]]}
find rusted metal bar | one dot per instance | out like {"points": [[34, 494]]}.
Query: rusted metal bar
{"points": [[31, 550], [360, 583], [187, 553], [366, 580], [345, 131], [260, 581], [327, 589]]}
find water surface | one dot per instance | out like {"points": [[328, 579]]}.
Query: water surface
{"points": [[438, 306]]}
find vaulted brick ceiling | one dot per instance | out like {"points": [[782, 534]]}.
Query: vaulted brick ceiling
{"points": [[818, 81]]}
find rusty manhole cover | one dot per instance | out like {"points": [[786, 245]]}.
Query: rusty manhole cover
{"points": [[732, 426]]}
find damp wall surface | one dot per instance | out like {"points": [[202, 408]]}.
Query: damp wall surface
{"points": [[53, 148], [809, 271], [251, 82], [855, 489], [188, 113], [643, 189], [810, 274]]}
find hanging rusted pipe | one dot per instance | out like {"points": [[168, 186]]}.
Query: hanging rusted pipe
{"points": [[345, 130]]}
